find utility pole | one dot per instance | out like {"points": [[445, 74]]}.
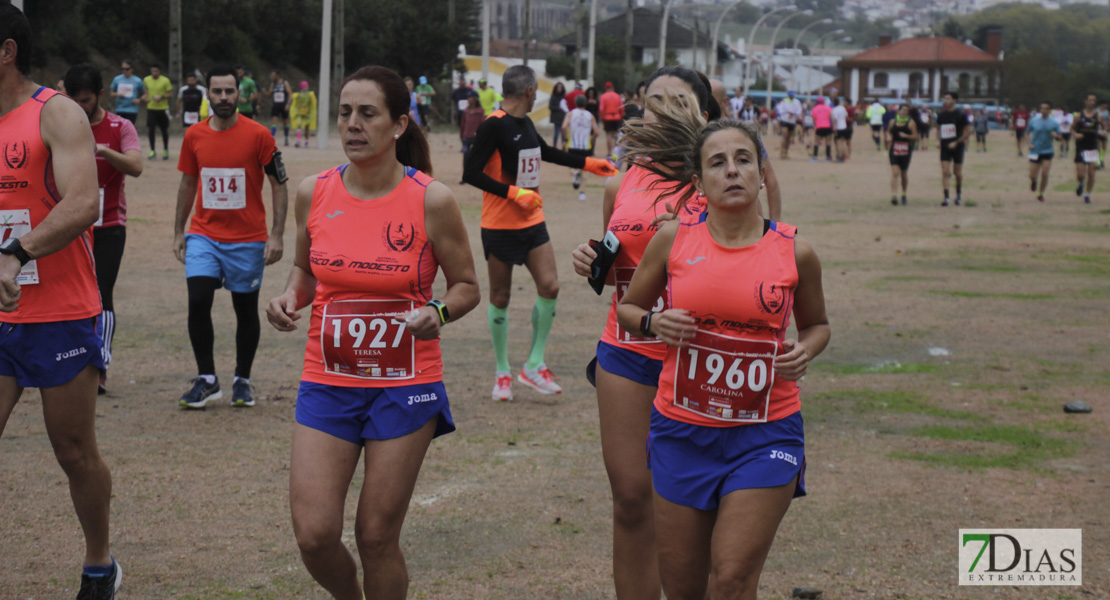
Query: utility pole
{"points": [[175, 42], [527, 27], [578, 43], [629, 20], [338, 68], [450, 12], [485, 38], [323, 112], [591, 57]]}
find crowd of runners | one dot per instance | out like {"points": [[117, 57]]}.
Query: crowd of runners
{"points": [[687, 360]]}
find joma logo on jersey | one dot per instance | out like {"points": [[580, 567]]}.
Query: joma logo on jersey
{"points": [[398, 238], [15, 155]]}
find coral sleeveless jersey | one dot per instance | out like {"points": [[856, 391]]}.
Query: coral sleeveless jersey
{"points": [[725, 377], [61, 286], [633, 211], [373, 263]]}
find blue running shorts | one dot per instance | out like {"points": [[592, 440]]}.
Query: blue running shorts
{"points": [[46, 355], [237, 266], [628, 364], [359, 414], [696, 466]]}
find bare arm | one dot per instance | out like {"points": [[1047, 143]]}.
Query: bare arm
{"points": [[275, 244], [674, 326], [186, 195], [128, 163], [809, 316], [300, 287], [583, 256], [451, 247]]}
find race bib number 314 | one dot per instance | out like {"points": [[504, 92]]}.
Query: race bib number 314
{"points": [[367, 339], [726, 378], [223, 189]]}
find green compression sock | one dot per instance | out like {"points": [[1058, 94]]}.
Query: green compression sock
{"points": [[543, 315], [499, 331]]}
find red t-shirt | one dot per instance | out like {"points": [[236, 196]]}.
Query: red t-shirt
{"points": [[117, 134], [610, 106], [228, 167], [1021, 119]]}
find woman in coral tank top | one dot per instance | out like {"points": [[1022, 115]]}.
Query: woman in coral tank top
{"points": [[726, 446], [371, 236]]}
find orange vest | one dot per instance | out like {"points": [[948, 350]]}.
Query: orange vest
{"points": [[66, 280], [742, 299], [373, 263]]}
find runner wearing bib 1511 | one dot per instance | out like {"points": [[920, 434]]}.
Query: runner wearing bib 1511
{"points": [[728, 381], [48, 292], [504, 163], [223, 163]]}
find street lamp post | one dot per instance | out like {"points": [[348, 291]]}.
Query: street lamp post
{"points": [[794, 54], [751, 42], [717, 30], [663, 33], [771, 62], [821, 42]]}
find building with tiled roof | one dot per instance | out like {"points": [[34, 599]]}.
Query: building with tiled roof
{"points": [[926, 68]]}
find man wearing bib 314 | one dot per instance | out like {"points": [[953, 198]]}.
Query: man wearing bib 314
{"points": [[48, 296], [504, 163], [222, 164]]}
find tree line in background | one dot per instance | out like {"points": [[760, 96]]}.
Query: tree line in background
{"points": [[413, 37], [1054, 55]]}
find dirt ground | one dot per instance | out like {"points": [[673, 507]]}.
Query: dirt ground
{"points": [[958, 333]]}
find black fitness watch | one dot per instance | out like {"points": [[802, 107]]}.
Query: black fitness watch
{"points": [[645, 325], [13, 247], [441, 309]]}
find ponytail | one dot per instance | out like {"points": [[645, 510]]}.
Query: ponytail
{"points": [[412, 149]]}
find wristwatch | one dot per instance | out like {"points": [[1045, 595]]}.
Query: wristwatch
{"points": [[645, 325], [13, 247], [441, 308]]}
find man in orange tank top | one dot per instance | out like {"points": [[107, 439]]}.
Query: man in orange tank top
{"points": [[48, 296], [222, 164]]}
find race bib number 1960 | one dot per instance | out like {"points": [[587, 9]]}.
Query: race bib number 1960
{"points": [[623, 277], [223, 189], [528, 169], [367, 339], [16, 224], [725, 378]]}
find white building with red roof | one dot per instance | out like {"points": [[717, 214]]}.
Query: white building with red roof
{"points": [[926, 68]]}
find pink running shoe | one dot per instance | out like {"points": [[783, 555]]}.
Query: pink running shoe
{"points": [[542, 380], [502, 389]]}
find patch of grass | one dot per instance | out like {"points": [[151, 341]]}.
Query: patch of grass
{"points": [[882, 368], [871, 401], [1001, 268], [1007, 296], [1019, 447]]}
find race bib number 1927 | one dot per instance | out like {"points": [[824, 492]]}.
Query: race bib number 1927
{"points": [[726, 378], [367, 339]]}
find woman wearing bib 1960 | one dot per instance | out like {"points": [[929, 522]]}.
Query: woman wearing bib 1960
{"points": [[371, 235], [726, 446]]}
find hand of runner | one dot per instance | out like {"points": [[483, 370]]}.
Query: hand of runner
{"points": [[583, 256], [674, 326], [670, 215], [179, 247], [10, 291], [275, 247], [792, 365], [599, 166], [424, 323], [282, 312], [527, 199]]}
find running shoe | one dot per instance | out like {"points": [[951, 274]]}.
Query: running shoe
{"points": [[581, 196], [1086, 199], [503, 387], [101, 588], [577, 179], [165, 155], [201, 393], [1033, 185], [1079, 188], [102, 385], [945, 203], [958, 201], [242, 394], [542, 380], [894, 200], [153, 155], [1040, 198], [903, 200]]}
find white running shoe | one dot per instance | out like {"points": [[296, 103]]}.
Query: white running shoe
{"points": [[581, 196], [502, 389], [542, 380]]}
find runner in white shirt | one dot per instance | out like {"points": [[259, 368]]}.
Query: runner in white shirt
{"points": [[840, 123], [789, 111], [580, 131], [736, 103]]}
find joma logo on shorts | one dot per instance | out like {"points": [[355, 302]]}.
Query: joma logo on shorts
{"points": [[417, 399], [779, 454], [69, 354]]}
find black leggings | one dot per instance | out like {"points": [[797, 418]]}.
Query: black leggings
{"points": [[108, 245], [161, 120], [202, 292]]}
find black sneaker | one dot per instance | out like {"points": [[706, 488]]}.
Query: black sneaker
{"points": [[1079, 188], [945, 203], [1033, 185], [242, 394], [201, 393], [577, 179], [894, 200], [101, 588], [903, 200], [1086, 199], [958, 201]]}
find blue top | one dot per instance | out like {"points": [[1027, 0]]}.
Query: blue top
{"points": [[127, 104], [1040, 134]]}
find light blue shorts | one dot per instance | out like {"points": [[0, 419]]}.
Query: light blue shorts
{"points": [[238, 266]]}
